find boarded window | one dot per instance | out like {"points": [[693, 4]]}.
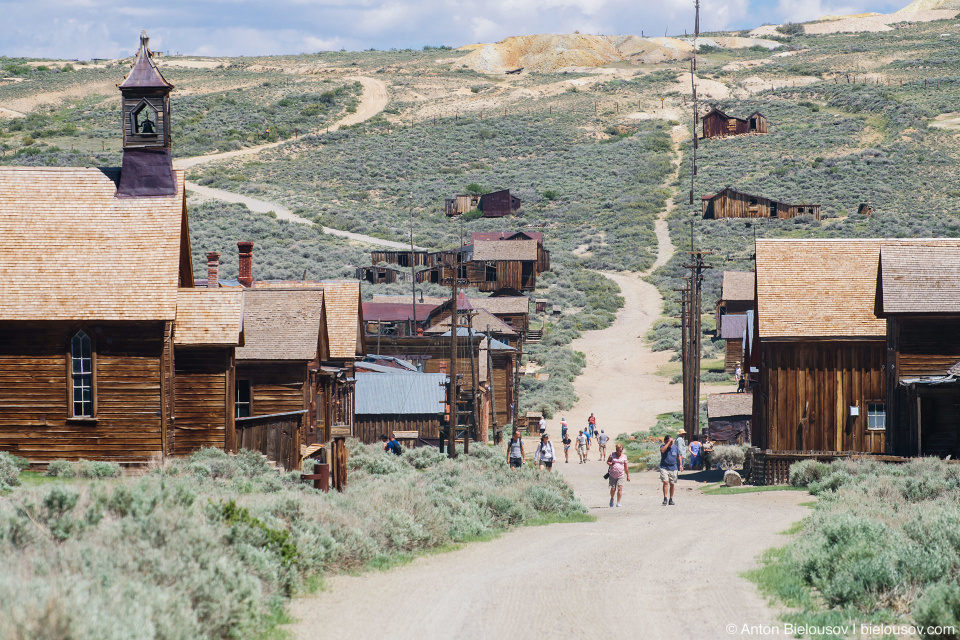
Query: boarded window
{"points": [[242, 402], [876, 416], [81, 370], [403, 260], [753, 201]]}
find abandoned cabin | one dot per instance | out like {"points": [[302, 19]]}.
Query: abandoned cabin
{"points": [[728, 417], [851, 354], [730, 203], [489, 265], [397, 318], [379, 274], [736, 298], [504, 304], [496, 204], [717, 124]]}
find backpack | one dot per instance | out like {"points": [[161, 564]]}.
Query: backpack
{"points": [[396, 448]]}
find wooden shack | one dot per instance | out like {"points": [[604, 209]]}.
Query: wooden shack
{"points": [[733, 329], [461, 204], [728, 417], [717, 124], [396, 318], [409, 404], [378, 274], [507, 263], [919, 297], [420, 258], [821, 346], [514, 310], [543, 255], [208, 329], [730, 203], [498, 204]]}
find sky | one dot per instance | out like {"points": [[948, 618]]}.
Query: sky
{"points": [[84, 29]]}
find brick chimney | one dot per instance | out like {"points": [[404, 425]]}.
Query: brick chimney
{"points": [[246, 263], [213, 270]]}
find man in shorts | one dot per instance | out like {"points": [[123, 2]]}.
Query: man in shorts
{"points": [[602, 444], [582, 447], [566, 448], [515, 450], [669, 467]]}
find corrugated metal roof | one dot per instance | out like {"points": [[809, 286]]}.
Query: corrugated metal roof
{"points": [[400, 393]]}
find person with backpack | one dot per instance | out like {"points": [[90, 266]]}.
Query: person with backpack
{"points": [[515, 450], [393, 446], [563, 428], [543, 456], [602, 443]]}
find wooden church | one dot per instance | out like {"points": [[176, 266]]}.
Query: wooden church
{"points": [[106, 352]]}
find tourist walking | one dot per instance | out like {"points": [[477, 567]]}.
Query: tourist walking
{"points": [[543, 426], [592, 423], [602, 444], [566, 448], [707, 453], [515, 452], [669, 467], [582, 447], [543, 456], [589, 433], [695, 460], [563, 427], [682, 447], [618, 469]]}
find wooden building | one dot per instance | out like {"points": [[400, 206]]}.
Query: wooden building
{"points": [[821, 348], [489, 265], [495, 204], [543, 255], [733, 329], [730, 203], [728, 417], [513, 310], [208, 328], [919, 297], [400, 318], [717, 124], [382, 275], [736, 293], [402, 259], [408, 404]]}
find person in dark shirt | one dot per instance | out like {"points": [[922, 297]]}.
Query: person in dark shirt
{"points": [[393, 446], [669, 467]]}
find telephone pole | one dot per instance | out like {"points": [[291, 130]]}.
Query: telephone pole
{"points": [[413, 271], [691, 305]]}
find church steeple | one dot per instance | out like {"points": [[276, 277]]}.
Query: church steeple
{"points": [[147, 161], [146, 103]]}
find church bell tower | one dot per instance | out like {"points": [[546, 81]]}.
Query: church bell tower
{"points": [[147, 162]]}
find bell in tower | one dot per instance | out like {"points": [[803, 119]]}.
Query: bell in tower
{"points": [[147, 163]]}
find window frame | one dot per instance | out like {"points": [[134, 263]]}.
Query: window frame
{"points": [[237, 404], [488, 269], [71, 374], [873, 413]]}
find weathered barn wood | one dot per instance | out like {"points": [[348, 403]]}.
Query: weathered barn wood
{"points": [[498, 204], [730, 203], [717, 124], [382, 275], [403, 258], [277, 436], [410, 404], [733, 330], [729, 416]]}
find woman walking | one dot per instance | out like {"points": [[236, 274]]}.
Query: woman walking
{"points": [[617, 463], [544, 453], [695, 461]]}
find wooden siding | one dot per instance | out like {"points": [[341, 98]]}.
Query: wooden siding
{"points": [[928, 347], [275, 387], [730, 203], [517, 274], [806, 390], [733, 355], [498, 204], [278, 437], [34, 421], [369, 428], [203, 407], [402, 258]]}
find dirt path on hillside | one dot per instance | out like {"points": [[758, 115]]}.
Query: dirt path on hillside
{"points": [[375, 98], [640, 571]]}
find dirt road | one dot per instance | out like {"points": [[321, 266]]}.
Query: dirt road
{"points": [[373, 101], [640, 571]]}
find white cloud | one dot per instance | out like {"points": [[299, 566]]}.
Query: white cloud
{"points": [[108, 28]]}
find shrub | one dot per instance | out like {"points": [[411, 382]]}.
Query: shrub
{"points": [[61, 469], [10, 468], [792, 29], [728, 456], [806, 471], [83, 469], [939, 606]]}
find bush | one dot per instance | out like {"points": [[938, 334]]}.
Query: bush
{"points": [[83, 469], [792, 29], [728, 456], [806, 471], [10, 468]]}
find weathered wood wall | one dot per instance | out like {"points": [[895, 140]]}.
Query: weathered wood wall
{"points": [[275, 387], [729, 430], [369, 428], [34, 394], [733, 355], [277, 436], [743, 205], [203, 400], [806, 390]]}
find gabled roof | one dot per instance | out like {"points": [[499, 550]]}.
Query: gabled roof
{"points": [[344, 319], [493, 304], [726, 405], [507, 235], [281, 324], [144, 74], [712, 111], [74, 251], [823, 288], [920, 279], [492, 250], [397, 394], [733, 326], [480, 321], [209, 317], [738, 285]]}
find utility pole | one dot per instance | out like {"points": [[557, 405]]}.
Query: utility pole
{"points": [[413, 272], [693, 91], [694, 333], [452, 386]]}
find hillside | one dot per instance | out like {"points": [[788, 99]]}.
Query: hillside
{"points": [[587, 149]]}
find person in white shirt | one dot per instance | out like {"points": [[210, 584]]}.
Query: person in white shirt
{"points": [[543, 426], [582, 447], [602, 439], [544, 454]]}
